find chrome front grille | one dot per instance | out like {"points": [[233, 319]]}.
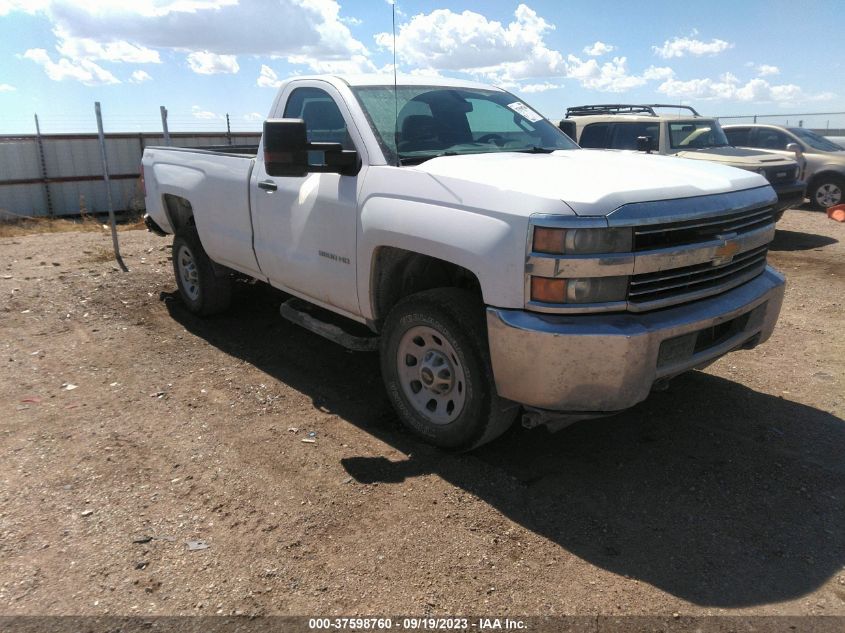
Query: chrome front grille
{"points": [[647, 237], [650, 291], [682, 250]]}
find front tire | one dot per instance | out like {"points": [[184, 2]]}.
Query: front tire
{"points": [[436, 369], [203, 291], [827, 191]]}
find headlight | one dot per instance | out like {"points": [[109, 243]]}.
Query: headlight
{"points": [[581, 241], [591, 290]]}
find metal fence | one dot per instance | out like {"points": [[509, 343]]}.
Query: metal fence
{"points": [[62, 174], [825, 123]]}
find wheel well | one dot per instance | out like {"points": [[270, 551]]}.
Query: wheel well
{"points": [[825, 175], [398, 273], [179, 211]]}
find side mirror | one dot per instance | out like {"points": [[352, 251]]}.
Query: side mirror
{"points": [[795, 148], [287, 150], [644, 144], [568, 127], [285, 147]]}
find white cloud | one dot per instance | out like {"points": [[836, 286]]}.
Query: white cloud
{"points": [[82, 70], [612, 76], [25, 6], [658, 73], [205, 63], [198, 113], [765, 70], [355, 65], [681, 46], [469, 42], [510, 55], [7, 88], [598, 48], [253, 116], [112, 51], [267, 78], [313, 28], [728, 87], [139, 76]]}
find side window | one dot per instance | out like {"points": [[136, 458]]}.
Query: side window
{"points": [[625, 135], [770, 139], [323, 121], [739, 137], [594, 135]]}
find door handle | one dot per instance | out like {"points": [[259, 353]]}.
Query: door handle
{"points": [[267, 185]]}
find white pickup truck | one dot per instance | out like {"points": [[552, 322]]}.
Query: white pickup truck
{"points": [[497, 267]]}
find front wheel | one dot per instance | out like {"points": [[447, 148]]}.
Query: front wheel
{"points": [[827, 192], [203, 291], [436, 368]]}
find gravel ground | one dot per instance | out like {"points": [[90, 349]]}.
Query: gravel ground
{"points": [[130, 427]]}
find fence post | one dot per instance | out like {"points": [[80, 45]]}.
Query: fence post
{"points": [[108, 187], [43, 167], [164, 125]]}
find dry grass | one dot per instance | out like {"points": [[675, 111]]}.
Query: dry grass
{"points": [[99, 256], [12, 226]]}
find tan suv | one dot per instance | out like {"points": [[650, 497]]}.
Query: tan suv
{"points": [[823, 161], [688, 135]]}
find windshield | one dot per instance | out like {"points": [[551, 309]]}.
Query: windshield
{"points": [[816, 141], [427, 121], [696, 134]]}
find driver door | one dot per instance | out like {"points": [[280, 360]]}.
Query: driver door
{"points": [[305, 227]]}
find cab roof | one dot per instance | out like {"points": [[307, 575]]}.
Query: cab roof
{"points": [[402, 80]]}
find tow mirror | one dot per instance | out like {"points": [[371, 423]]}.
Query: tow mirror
{"points": [[285, 147], [568, 127], [644, 144], [287, 152]]}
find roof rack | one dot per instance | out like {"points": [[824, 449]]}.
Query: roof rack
{"points": [[624, 108]]}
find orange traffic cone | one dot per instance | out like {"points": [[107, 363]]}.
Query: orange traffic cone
{"points": [[837, 213]]}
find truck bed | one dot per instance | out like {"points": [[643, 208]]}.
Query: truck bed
{"points": [[243, 151]]}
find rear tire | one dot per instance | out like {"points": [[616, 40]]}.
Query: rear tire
{"points": [[203, 291], [827, 191], [436, 369]]}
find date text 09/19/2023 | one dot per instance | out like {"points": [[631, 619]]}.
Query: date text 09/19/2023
{"points": [[418, 623]]}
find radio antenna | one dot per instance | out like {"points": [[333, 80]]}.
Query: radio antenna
{"points": [[395, 89]]}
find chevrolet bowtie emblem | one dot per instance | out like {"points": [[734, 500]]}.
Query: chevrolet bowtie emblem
{"points": [[725, 253]]}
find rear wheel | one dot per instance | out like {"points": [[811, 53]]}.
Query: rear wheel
{"points": [[436, 368], [203, 291], [827, 191]]}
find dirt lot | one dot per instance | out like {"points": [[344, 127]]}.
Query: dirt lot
{"points": [[724, 494]]}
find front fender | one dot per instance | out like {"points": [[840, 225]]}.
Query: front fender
{"points": [[492, 248]]}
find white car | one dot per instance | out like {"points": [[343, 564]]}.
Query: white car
{"points": [[497, 267]]}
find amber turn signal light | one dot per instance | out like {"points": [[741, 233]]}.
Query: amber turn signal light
{"points": [[549, 240], [548, 290]]}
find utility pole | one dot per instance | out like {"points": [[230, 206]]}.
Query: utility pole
{"points": [[228, 130]]}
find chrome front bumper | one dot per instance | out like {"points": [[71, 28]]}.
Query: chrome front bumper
{"points": [[609, 362]]}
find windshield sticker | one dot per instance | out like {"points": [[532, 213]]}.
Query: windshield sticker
{"points": [[525, 111]]}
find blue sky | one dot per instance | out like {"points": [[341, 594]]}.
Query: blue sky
{"points": [[205, 58]]}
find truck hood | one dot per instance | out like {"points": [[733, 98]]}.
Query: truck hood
{"points": [[590, 182], [736, 157]]}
